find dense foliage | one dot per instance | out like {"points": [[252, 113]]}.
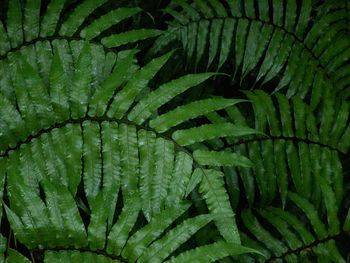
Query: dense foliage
{"points": [[175, 131]]}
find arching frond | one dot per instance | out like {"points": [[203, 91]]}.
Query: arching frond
{"points": [[297, 238], [92, 176], [52, 217], [298, 147], [270, 40], [111, 152], [76, 23]]}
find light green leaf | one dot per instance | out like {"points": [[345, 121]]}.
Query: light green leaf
{"points": [[163, 247], [128, 37], [124, 98], [106, 21], [164, 94], [214, 192], [210, 131], [222, 158], [50, 18], [31, 19], [190, 111], [138, 242], [78, 16], [119, 234]]}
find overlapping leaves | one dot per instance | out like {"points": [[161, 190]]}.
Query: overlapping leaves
{"points": [[270, 40], [76, 141]]}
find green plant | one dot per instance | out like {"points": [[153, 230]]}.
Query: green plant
{"points": [[125, 137]]}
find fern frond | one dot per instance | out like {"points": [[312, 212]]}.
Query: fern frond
{"points": [[301, 145], [296, 237], [28, 24], [264, 39], [215, 195], [62, 224]]}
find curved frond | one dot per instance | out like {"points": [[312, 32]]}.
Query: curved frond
{"points": [[299, 147], [295, 238], [270, 40], [93, 182]]}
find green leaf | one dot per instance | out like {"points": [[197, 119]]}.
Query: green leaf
{"points": [[138, 242], [346, 226], [161, 249], [191, 12], [50, 18], [295, 223], [213, 158], [111, 168], [210, 131], [16, 257], [311, 213], [331, 206], [190, 111], [264, 236], [164, 94], [31, 19], [76, 257], [119, 234], [14, 23], [80, 89], [4, 40], [218, 8], [131, 36], [164, 162], [214, 39], [216, 197], [106, 21], [59, 87], [202, 36], [146, 144], [242, 31], [123, 71], [304, 16], [129, 160], [78, 16], [11, 117], [226, 40], [124, 98], [180, 179], [92, 159], [194, 180], [212, 252], [282, 227]]}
